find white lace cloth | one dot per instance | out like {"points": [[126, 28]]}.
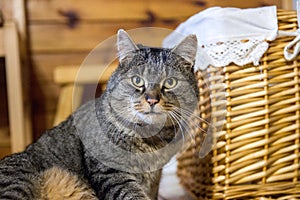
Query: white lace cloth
{"points": [[229, 35]]}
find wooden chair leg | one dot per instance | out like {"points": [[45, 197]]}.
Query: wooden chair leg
{"points": [[18, 117]]}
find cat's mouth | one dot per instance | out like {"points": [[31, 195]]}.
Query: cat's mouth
{"points": [[150, 117], [151, 112]]}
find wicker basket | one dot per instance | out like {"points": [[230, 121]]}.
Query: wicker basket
{"points": [[257, 151]]}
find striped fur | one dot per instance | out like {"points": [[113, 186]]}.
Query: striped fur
{"points": [[113, 147]]}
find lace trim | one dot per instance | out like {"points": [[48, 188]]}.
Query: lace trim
{"points": [[240, 52]]}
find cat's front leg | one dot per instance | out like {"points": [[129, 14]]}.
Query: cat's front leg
{"points": [[18, 178], [118, 186]]}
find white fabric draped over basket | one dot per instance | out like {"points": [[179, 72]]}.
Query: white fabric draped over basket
{"points": [[233, 35]]}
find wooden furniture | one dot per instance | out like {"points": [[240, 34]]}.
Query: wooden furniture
{"points": [[19, 116], [72, 86]]}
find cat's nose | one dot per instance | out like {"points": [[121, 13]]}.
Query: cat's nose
{"points": [[152, 99]]}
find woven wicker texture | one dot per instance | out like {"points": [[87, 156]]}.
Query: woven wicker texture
{"points": [[256, 155]]}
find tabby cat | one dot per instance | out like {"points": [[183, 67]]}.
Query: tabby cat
{"points": [[113, 147]]}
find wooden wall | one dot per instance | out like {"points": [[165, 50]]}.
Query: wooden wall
{"points": [[63, 32]]}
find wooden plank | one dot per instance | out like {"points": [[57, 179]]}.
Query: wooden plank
{"points": [[86, 36], [47, 38], [174, 10], [56, 10], [242, 4], [278, 3], [86, 10]]}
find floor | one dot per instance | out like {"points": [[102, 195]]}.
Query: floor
{"points": [[170, 188]]}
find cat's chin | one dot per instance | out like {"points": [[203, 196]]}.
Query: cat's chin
{"points": [[151, 118]]}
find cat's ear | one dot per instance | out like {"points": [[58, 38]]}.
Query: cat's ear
{"points": [[187, 48], [125, 45]]}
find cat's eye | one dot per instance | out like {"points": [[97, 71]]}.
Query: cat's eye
{"points": [[170, 83], [137, 81]]}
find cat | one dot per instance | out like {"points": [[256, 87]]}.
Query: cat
{"points": [[113, 147]]}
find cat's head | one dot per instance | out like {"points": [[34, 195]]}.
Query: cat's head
{"points": [[153, 86]]}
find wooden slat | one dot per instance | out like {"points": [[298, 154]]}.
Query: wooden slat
{"points": [[19, 137], [83, 75], [85, 37], [43, 72], [64, 106], [20, 19]]}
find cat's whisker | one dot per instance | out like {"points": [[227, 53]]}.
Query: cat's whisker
{"points": [[186, 124], [194, 119], [174, 122], [192, 114], [181, 126]]}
